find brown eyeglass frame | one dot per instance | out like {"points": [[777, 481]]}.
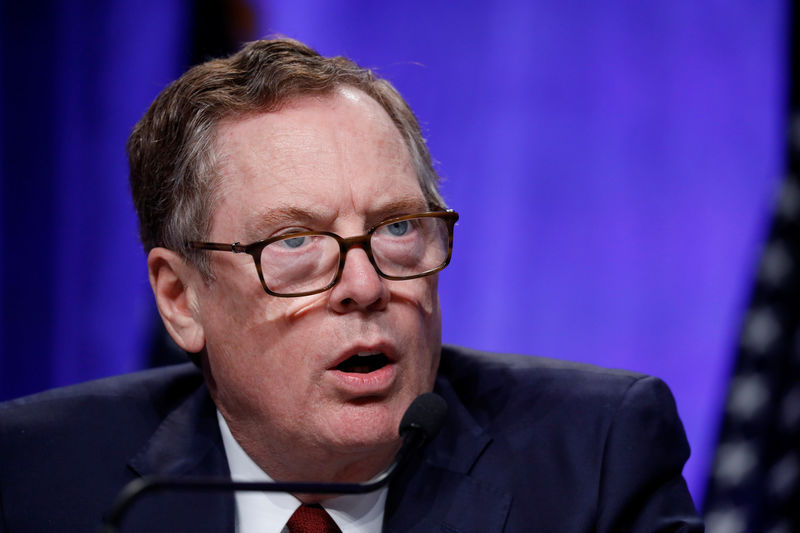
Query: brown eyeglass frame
{"points": [[363, 241]]}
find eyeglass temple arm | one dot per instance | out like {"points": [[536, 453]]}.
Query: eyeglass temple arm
{"points": [[236, 247]]}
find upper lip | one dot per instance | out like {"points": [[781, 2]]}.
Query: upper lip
{"points": [[365, 348]]}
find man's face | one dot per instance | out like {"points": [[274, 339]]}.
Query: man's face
{"points": [[334, 163]]}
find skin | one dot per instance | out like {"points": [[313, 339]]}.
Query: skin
{"points": [[334, 163]]}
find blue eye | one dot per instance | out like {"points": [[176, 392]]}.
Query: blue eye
{"points": [[294, 242], [398, 229]]}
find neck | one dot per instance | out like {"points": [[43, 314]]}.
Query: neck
{"points": [[311, 465]]}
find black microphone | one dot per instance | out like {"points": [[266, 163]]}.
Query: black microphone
{"points": [[421, 422]]}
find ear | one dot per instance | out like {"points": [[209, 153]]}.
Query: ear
{"points": [[172, 281]]}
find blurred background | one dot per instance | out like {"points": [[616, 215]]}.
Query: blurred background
{"points": [[624, 173]]}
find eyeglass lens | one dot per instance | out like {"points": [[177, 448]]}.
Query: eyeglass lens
{"points": [[401, 249]]}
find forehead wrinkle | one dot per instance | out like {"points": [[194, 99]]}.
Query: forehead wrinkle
{"points": [[283, 152], [371, 133], [388, 154], [276, 163], [268, 220]]}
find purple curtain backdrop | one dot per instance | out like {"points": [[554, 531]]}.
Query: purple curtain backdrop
{"points": [[614, 164], [75, 78]]}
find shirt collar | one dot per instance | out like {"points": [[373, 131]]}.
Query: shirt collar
{"points": [[268, 512]]}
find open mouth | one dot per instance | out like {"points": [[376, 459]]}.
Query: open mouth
{"points": [[363, 363]]}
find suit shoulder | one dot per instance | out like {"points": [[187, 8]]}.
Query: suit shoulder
{"points": [[556, 431], [503, 370], [492, 385], [152, 392]]}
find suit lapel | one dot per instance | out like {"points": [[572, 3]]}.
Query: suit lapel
{"points": [[186, 443], [435, 492]]}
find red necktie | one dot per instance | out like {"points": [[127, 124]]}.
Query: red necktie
{"points": [[312, 519]]}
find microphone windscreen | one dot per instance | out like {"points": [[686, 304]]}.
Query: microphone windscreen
{"points": [[425, 415]]}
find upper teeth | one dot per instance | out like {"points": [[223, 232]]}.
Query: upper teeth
{"points": [[366, 354]]}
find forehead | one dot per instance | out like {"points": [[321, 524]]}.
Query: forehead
{"points": [[325, 155]]}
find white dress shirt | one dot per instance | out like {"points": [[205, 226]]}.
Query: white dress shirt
{"points": [[268, 512]]}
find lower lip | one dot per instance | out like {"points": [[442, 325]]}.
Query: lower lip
{"points": [[377, 382]]}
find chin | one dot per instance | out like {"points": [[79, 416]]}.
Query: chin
{"points": [[368, 425]]}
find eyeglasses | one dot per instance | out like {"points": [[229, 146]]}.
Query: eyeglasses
{"points": [[310, 262]]}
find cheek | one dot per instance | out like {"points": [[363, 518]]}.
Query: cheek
{"points": [[286, 310], [421, 295], [246, 329], [432, 327], [232, 314], [421, 324], [253, 362], [236, 300]]}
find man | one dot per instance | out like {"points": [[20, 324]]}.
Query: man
{"points": [[295, 233]]}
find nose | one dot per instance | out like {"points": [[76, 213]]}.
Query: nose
{"points": [[359, 287]]}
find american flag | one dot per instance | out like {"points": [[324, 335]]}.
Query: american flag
{"points": [[755, 482]]}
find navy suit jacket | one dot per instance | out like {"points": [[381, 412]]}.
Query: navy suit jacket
{"points": [[528, 445]]}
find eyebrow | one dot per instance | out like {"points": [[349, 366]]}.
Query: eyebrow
{"points": [[261, 225], [399, 207], [268, 220]]}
